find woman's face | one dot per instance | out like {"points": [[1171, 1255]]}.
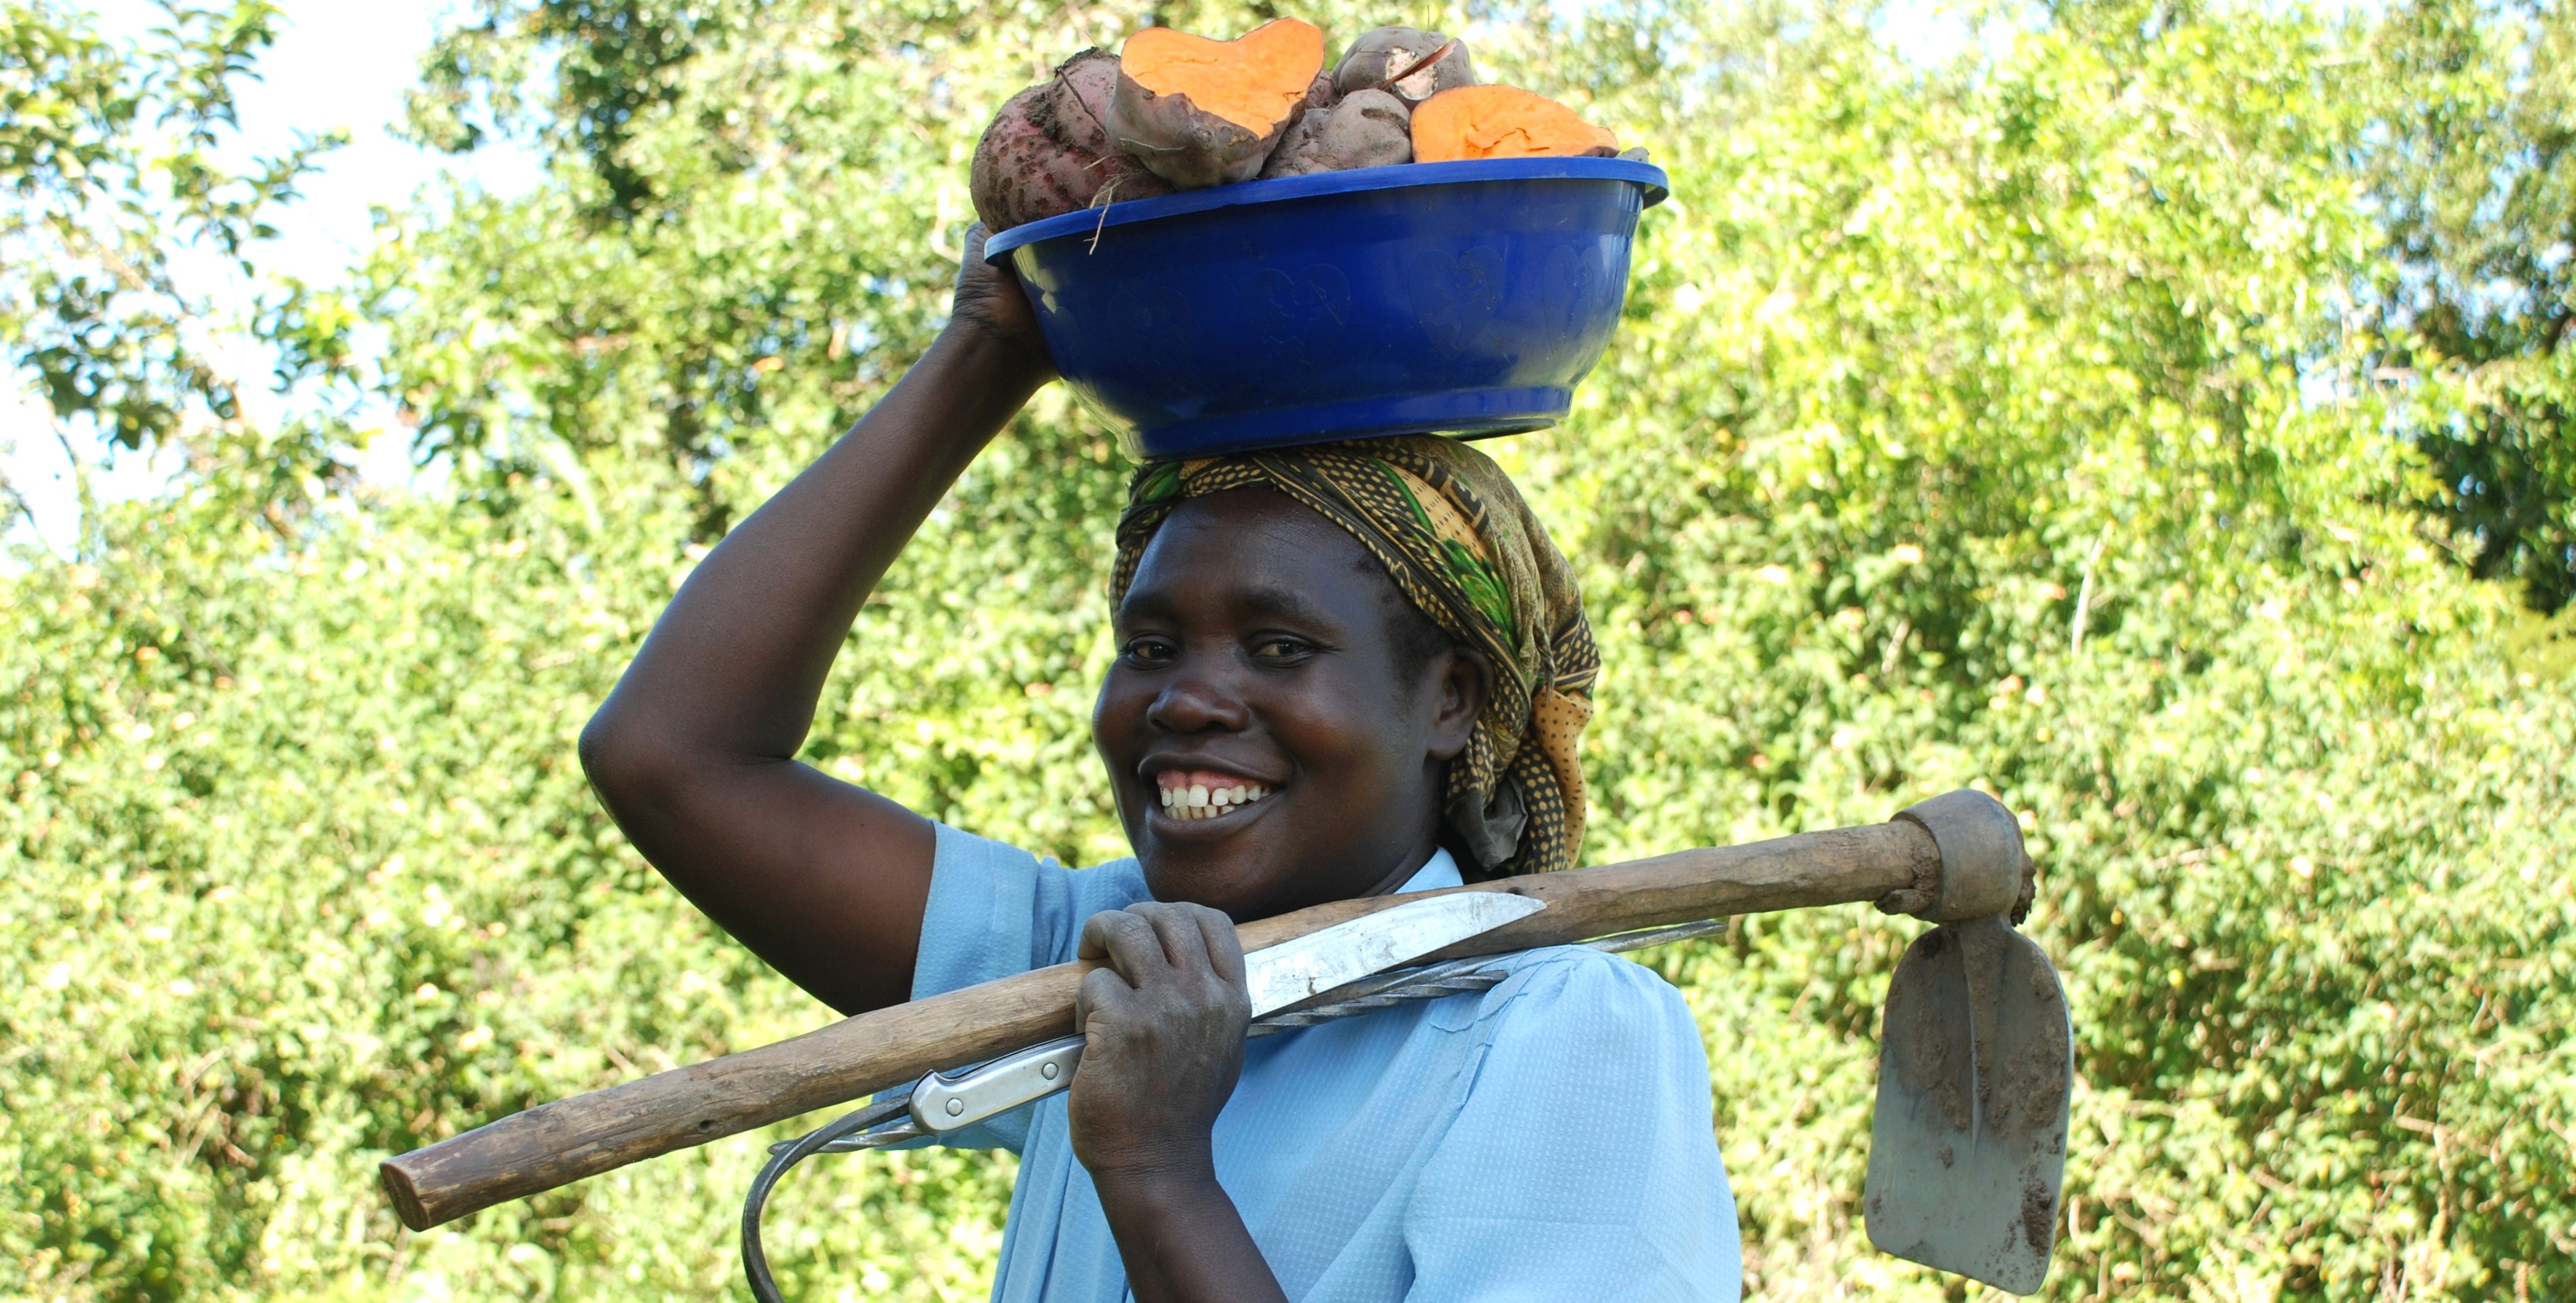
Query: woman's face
{"points": [[1269, 745]]}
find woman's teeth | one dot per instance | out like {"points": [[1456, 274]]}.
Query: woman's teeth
{"points": [[1196, 798]]}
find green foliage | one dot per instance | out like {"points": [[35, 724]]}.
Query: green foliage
{"points": [[2010, 422], [108, 158], [2475, 168], [303, 873]]}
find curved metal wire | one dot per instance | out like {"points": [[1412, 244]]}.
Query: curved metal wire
{"points": [[755, 1263]]}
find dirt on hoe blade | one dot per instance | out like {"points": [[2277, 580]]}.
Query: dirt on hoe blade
{"points": [[1968, 1149]]}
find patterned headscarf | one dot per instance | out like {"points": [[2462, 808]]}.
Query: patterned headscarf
{"points": [[1461, 545]]}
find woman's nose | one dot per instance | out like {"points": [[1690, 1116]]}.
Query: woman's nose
{"points": [[1193, 703]]}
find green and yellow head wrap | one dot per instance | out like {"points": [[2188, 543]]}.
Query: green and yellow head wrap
{"points": [[1461, 545]]}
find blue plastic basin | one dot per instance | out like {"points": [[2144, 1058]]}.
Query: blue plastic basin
{"points": [[1463, 298]]}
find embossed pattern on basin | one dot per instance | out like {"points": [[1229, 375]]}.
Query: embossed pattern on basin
{"points": [[1464, 298]]}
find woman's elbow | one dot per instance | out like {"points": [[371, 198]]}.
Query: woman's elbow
{"points": [[625, 762]]}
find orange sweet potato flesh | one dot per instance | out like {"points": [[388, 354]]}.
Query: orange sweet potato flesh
{"points": [[1501, 122], [1253, 81]]}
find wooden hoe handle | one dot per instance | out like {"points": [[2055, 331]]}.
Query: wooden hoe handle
{"points": [[562, 1142]]}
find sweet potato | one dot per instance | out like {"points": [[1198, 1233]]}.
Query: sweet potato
{"points": [[1078, 100], [1501, 122], [1389, 51], [1368, 128], [1020, 173], [1079, 104], [1198, 112], [1048, 150], [1323, 94]]}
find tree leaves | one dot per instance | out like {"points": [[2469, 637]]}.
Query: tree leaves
{"points": [[107, 157], [1924, 368]]}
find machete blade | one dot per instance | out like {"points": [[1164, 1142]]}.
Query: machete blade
{"points": [[1310, 965]]}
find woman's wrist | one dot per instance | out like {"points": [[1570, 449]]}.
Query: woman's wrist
{"points": [[1180, 1235], [1019, 363], [1168, 1198], [1157, 1176]]}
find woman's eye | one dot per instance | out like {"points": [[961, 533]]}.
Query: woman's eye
{"points": [[1281, 649], [1149, 651]]}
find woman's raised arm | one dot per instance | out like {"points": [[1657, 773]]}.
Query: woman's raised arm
{"points": [[694, 752]]}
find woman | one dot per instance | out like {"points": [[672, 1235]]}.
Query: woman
{"points": [[1342, 671]]}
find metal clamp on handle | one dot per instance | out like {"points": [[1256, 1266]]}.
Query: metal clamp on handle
{"points": [[942, 1103], [1984, 871]]}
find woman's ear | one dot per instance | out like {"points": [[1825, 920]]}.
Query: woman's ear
{"points": [[1459, 694]]}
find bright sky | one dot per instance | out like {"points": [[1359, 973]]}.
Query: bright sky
{"points": [[335, 64]]}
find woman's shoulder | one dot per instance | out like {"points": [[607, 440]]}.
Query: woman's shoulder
{"points": [[1604, 994], [966, 855], [996, 909], [999, 876]]}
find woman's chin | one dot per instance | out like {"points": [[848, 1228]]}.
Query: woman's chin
{"points": [[1232, 864]]}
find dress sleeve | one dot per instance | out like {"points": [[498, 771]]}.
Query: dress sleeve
{"points": [[996, 910], [1581, 1162]]}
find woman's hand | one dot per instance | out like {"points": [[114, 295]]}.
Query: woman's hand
{"points": [[991, 308], [1165, 1023]]}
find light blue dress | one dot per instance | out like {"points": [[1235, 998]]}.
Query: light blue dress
{"points": [[1546, 1140]]}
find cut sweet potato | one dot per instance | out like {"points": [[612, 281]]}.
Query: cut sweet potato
{"points": [[1367, 128], [1199, 112], [1048, 150], [1501, 122], [1389, 52], [1252, 81]]}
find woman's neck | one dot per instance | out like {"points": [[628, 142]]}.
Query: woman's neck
{"points": [[1411, 865]]}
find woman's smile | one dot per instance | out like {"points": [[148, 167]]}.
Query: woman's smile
{"points": [[1196, 795]]}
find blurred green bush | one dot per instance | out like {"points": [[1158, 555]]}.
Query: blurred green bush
{"points": [[2020, 421]]}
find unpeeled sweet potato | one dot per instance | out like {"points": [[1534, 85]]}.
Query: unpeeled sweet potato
{"points": [[1367, 128], [1388, 52], [1020, 173], [1048, 150], [1079, 99], [1198, 112], [1502, 122]]}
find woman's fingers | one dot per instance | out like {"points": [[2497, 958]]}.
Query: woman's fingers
{"points": [[973, 273], [988, 297], [1170, 965], [1185, 938], [1224, 947], [1177, 927], [1127, 941], [1102, 990]]}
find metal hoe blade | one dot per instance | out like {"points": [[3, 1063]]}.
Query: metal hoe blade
{"points": [[1967, 1154]]}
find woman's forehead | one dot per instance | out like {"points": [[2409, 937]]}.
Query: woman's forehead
{"points": [[1255, 548]]}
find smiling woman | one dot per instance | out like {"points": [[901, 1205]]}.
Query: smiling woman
{"points": [[1261, 648], [1343, 670]]}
